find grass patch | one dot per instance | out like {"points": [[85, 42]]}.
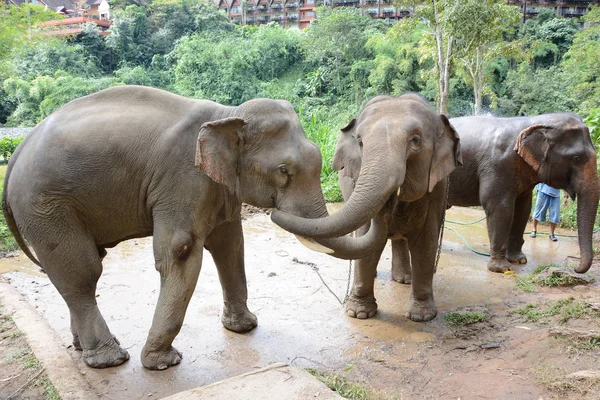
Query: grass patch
{"points": [[28, 359], [344, 388], [564, 309], [528, 282], [50, 392], [554, 379], [587, 344], [464, 318]]}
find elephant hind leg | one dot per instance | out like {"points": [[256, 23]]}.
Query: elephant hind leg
{"points": [[401, 268], [73, 265], [514, 252]]}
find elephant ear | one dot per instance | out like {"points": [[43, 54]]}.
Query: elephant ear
{"points": [[218, 150], [446, 155], [532, 146], [345, 140]]}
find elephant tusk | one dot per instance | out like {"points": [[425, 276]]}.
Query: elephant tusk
{"points": [[398, 192], [311, 244]]}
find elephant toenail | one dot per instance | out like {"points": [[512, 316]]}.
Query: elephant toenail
{"points": [[351, 313], [162, 367], [361, 315]]}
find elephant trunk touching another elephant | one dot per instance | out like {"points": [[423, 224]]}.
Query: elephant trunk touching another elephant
{"points": [[153, 163], [371, 193], [398, 151]]}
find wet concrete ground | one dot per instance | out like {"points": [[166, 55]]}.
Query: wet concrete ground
{"points": [[300, 321]]}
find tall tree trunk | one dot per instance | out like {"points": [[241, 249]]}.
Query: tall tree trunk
{"points": [[477, 76], [443, 64]]}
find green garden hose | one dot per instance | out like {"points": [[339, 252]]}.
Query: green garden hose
{"points": [[482, 253]]}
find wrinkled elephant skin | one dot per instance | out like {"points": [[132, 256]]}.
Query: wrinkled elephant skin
{"points": [[132, 162], [392, 160], [504, 158]]}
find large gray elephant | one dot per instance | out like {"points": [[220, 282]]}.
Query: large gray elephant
{"points": [[131, 162], [504, 158], [405, 152]]}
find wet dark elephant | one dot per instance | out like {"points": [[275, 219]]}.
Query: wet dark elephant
{"points": [[405, 152], [131, 162], [504, 158]]}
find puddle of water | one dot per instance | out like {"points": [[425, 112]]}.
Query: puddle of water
{"points": [[19, 263]]}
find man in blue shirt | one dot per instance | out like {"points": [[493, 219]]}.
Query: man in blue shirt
{"points": [[548, 199]]}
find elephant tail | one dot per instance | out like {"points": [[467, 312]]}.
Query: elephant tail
{"points": [[10, 220]]}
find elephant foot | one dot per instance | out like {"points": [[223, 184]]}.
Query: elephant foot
{"points": [[239, 321], [500, 265], [109, 354], [361, 308], [516, 258], [421, 310], [160, 359], [402, 276]]}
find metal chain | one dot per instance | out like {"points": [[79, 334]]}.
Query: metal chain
{"points": [[348, 284], [439, 249]]}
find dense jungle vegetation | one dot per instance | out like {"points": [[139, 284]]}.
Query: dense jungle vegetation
{"points": [[467, 57]]}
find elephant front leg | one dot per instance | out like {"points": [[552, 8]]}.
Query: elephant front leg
{"points": [[361, 300], [499, 220], [178, 259], [514, 253], [226, 244], [423, 252], [401, 269]]}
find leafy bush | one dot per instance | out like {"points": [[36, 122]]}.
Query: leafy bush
{"points": [[8, 146]]}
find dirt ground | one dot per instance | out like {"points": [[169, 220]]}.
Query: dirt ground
{"points": [[21, 375], [505, 356]]}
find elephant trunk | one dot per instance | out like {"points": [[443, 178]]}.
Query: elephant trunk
{"points": [[373, 189], [587, 206], [344, 247]]}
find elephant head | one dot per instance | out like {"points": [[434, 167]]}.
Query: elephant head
{"points": [[560, 151], [405, 149], [261, 155]]}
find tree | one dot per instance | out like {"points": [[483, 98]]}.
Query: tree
{"points": [[479, 28], [19, 28], [335, 41], [533, 92], [582, 66], [435, 16]]}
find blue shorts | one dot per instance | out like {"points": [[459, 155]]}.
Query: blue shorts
{"points": [[547, 203]]}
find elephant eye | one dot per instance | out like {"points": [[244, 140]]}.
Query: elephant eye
{"points": [[283, 169], [360, 142], [415, 142]]}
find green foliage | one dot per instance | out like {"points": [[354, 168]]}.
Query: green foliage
{"points": [[8, 146], [44, 94], [581, 64], [555, 278], [341, 385], [326, 71], [231, 70], [564, 309], [47, 58], [19, 28], [464, 318], [533, 92]]}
